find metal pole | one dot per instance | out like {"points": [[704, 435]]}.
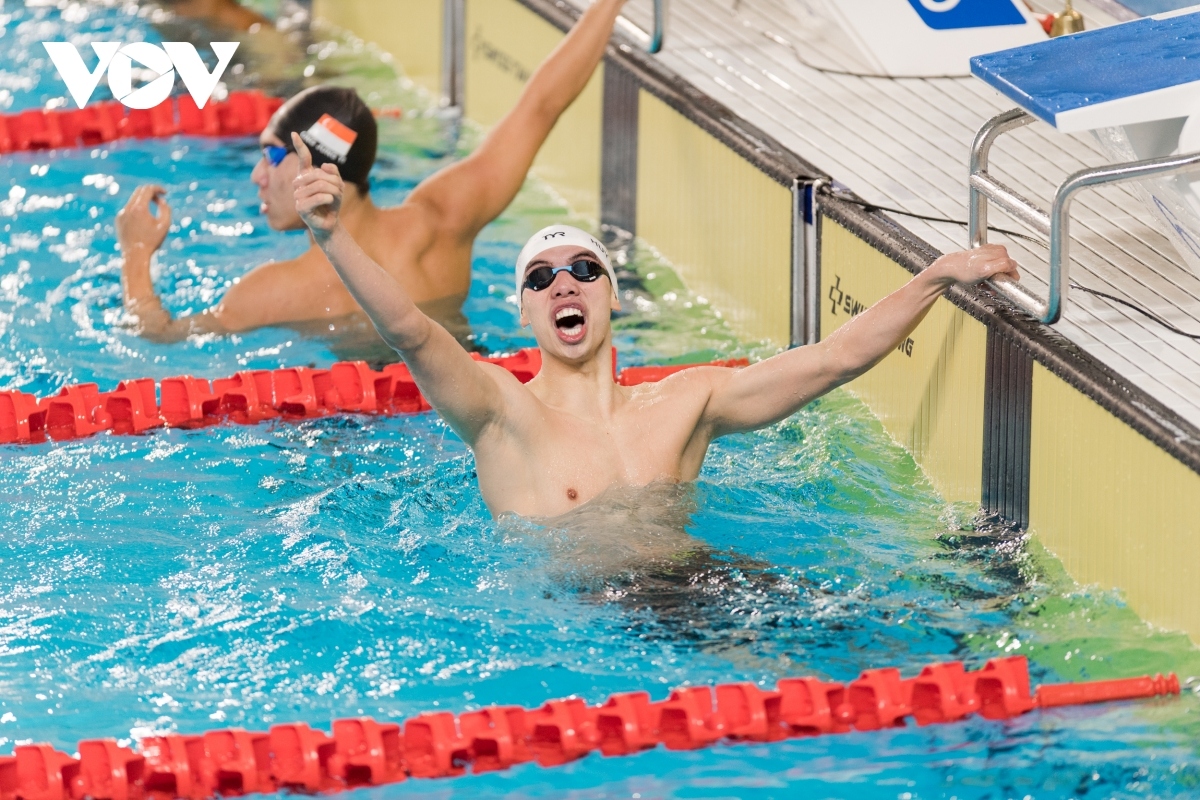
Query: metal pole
{"points": [[453, 52]]}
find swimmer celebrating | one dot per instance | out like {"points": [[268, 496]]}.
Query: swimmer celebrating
{"points": [[424, 245], [544, 447]]}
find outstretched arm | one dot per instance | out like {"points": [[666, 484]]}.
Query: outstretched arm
{"points": [[266, 296], [779, 386], [468, 195], [463, 391]]}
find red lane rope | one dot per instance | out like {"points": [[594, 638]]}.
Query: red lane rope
{"points": [[242, 113], [239, 114], [363, 752], [248, 397]]}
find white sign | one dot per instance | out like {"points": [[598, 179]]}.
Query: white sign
{"points": [[163, 61], [933, 38]]}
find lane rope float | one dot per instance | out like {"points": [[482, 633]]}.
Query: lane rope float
{"points": [[363, 752], [249, 397], [241, 113]]}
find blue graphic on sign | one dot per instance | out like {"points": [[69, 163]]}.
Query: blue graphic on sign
{"points": [[942, 15]]}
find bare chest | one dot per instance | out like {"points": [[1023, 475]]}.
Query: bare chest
{"points": [[561, 460]]}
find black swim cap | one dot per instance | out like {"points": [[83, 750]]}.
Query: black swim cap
{"points": [[304, 109]]}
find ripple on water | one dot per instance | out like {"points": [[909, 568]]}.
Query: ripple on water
{"points": [[183, 580]]}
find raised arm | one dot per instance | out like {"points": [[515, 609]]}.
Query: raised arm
{"points": [[779, 386], [140, 233], [463, 391], [473, 192], [266, 296]]}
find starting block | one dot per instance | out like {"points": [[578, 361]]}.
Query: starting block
{"points": [[1141, 79]]}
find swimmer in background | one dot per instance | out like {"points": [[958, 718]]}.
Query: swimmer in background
{"points": [[424, 244], [547, 446]]}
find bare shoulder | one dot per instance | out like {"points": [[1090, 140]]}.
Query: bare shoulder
{"points": [[693, 383], [282, 291]]}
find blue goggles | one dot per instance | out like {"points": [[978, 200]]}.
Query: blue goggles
{"points": [[274, 154]]}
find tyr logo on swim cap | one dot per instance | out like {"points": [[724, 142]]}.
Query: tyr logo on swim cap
{"points": [[557, 236]]}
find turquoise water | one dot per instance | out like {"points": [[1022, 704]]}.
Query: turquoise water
{"points": [[187, 580]]}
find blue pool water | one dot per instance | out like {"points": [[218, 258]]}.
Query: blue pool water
{"points": [[187, 580]]}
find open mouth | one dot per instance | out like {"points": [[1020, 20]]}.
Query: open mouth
{"points": [[570, 324]]}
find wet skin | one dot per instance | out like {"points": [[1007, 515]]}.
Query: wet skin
{"points": [[544, 447], [424, 244]]}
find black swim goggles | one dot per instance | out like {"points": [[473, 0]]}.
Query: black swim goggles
{"points": [[584, 270]]}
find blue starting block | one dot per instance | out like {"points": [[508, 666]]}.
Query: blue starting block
{"points": [[1139, 71], [1144, 73]]}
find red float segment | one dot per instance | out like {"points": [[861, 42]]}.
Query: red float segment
{"points": [[1074, 694], [625, 724], [76, 411], [172, 767], [750, 713], [107, 771], [367, 753], [632, 376], [687, 719], [245, 113], [240, 114], [248, 397], [561, 731], [36, 772], [300, 758], [880, 699], [361, 389], [1002, 687], [197, 121], [92, 125], [189, 402], [305, 392], [35, 130], [406, 397], [22, 419], [943, 693], [149, 123], [234, 762], [524, 365], [497, 737], [810, 707], [132, 406], [433, 747]]}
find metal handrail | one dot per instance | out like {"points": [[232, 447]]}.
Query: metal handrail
{"points": [[653, 41], [1054, 225]]}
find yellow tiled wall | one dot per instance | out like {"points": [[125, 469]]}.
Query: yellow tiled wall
{"points": [[410, 30], [1119, 511], [505, 42], [929, 395], [724, 225]]}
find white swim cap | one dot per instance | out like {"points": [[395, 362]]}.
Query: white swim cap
{"points": [[556, 236]]}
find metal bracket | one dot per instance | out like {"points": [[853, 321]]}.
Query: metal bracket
{"points": [[806, 277], [1055, 224], [652, 42]]}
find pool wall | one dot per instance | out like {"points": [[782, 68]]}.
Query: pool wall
{"points": [[997, 409]]}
